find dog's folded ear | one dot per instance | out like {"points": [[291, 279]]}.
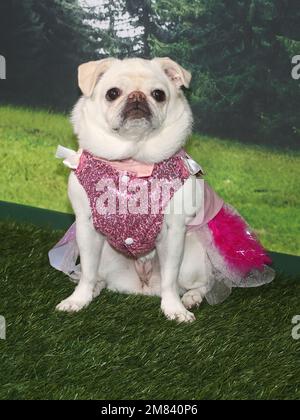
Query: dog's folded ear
{"points": [[89, 74], [177, 74]]}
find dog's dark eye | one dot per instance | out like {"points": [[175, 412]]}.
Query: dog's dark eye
{"points": [[113, 94], [159, 95]]}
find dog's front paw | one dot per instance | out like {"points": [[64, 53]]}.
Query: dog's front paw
{"points": [[72, 305], [177, 312]]}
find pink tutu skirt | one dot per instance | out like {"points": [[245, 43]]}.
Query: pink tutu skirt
{"points": [[236, 256]]}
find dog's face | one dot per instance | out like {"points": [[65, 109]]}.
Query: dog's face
{"points": [[134, 99]]}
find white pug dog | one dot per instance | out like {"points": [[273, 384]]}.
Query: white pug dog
{"points": [[135, 109]]}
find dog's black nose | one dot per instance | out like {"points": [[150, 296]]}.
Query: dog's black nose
{"points": [[136, 106], [137, 96]]}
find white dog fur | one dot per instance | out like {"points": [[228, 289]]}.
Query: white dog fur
{"points": [[181, 270]]}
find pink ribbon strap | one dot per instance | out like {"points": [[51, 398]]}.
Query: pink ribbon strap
{"points": [[140, 169]]}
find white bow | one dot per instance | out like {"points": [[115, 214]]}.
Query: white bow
{"points": [[71, 158]]}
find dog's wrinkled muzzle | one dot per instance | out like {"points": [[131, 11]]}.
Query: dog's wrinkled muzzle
{"points": [[136, 106]]}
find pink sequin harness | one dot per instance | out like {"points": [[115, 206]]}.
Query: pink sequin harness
{"points": [[133, 234]]}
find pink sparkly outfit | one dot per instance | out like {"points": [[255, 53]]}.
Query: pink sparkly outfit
{"points": [[134, 234], [236, 256]]}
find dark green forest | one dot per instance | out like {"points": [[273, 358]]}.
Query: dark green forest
{"points": [[240, 53]]}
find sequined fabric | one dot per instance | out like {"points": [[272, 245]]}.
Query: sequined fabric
{"points": [[130, 218]]}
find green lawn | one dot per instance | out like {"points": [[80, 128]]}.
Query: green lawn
{"points": [[262, 184], [121, 347]]}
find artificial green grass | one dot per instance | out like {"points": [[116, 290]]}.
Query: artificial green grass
{"points": [[122, 347], [262, 184]]}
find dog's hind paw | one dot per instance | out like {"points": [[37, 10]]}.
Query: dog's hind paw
{"points": [[100, 285], [192, 298]]}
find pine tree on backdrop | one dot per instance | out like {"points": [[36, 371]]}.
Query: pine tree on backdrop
{"points": [[240, 54], [43, 42]]}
